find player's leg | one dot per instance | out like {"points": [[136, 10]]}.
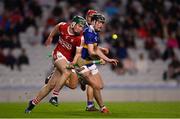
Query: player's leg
{"points": [[72, 81], [90, 90], [97, 93], [87, 74], [90, 99], [90, 93], [45, 90], [50, 75], [50, 85], [83, 82], [61, 65], [93, 76], [91, 81], [90, 103], [98, 96]]}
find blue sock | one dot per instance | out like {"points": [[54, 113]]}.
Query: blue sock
{"points": [[90, 104]]}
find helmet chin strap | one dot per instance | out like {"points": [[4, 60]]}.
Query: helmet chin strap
{"points": [[97, 30], [71, 29], [93, 25], [73, 24]]}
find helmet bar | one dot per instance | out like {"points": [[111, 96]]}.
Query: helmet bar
{"points": [[98, 17]]}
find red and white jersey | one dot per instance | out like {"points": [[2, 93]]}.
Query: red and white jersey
{"points": [[67, 43]]}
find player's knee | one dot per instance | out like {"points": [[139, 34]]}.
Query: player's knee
{"points": [[52, 85], [97, 87], [101, 86], [87, 76], [75, 82], [66, 73], [70, 84]]}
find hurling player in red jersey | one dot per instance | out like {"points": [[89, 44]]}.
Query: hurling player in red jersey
{"points": [[64, 53]]}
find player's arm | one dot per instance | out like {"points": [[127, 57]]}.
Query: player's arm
{"points": [[77, 55], [104, 50], [78, 60], [94, 52], [78, 51], [54, 31], [91, 50], [99, 52]]}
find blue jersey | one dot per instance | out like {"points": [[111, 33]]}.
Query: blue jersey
{"points": [[90, 37]]}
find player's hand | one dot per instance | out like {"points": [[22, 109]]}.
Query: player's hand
{"points": [[70, 66], [113, 61], [48, 41], [102, 62]]}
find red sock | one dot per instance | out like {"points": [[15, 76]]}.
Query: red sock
{"points": [[55, 93], [35, 101]]}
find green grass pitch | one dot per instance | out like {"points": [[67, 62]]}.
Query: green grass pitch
{"points": [[77, 110]]}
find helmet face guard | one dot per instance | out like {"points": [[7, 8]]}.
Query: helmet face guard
{"points": [[79, 20], [98, 17]]}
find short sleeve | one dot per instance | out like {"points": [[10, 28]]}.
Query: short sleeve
{"points": [[89, 37], [79, 41], [61, 24]]}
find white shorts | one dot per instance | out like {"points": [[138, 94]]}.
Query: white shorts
{"points": [[93, 69]]}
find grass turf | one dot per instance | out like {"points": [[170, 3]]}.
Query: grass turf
{"points": [[77, 110]]}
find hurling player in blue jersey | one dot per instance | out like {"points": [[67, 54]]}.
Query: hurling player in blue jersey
{"points": [[90, 95], [92, 51]]}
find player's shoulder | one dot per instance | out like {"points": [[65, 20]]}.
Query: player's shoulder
{"points": [[89, 30], [63, 24]]}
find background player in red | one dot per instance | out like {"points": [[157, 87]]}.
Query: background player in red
{"points": [[64, 53]]}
